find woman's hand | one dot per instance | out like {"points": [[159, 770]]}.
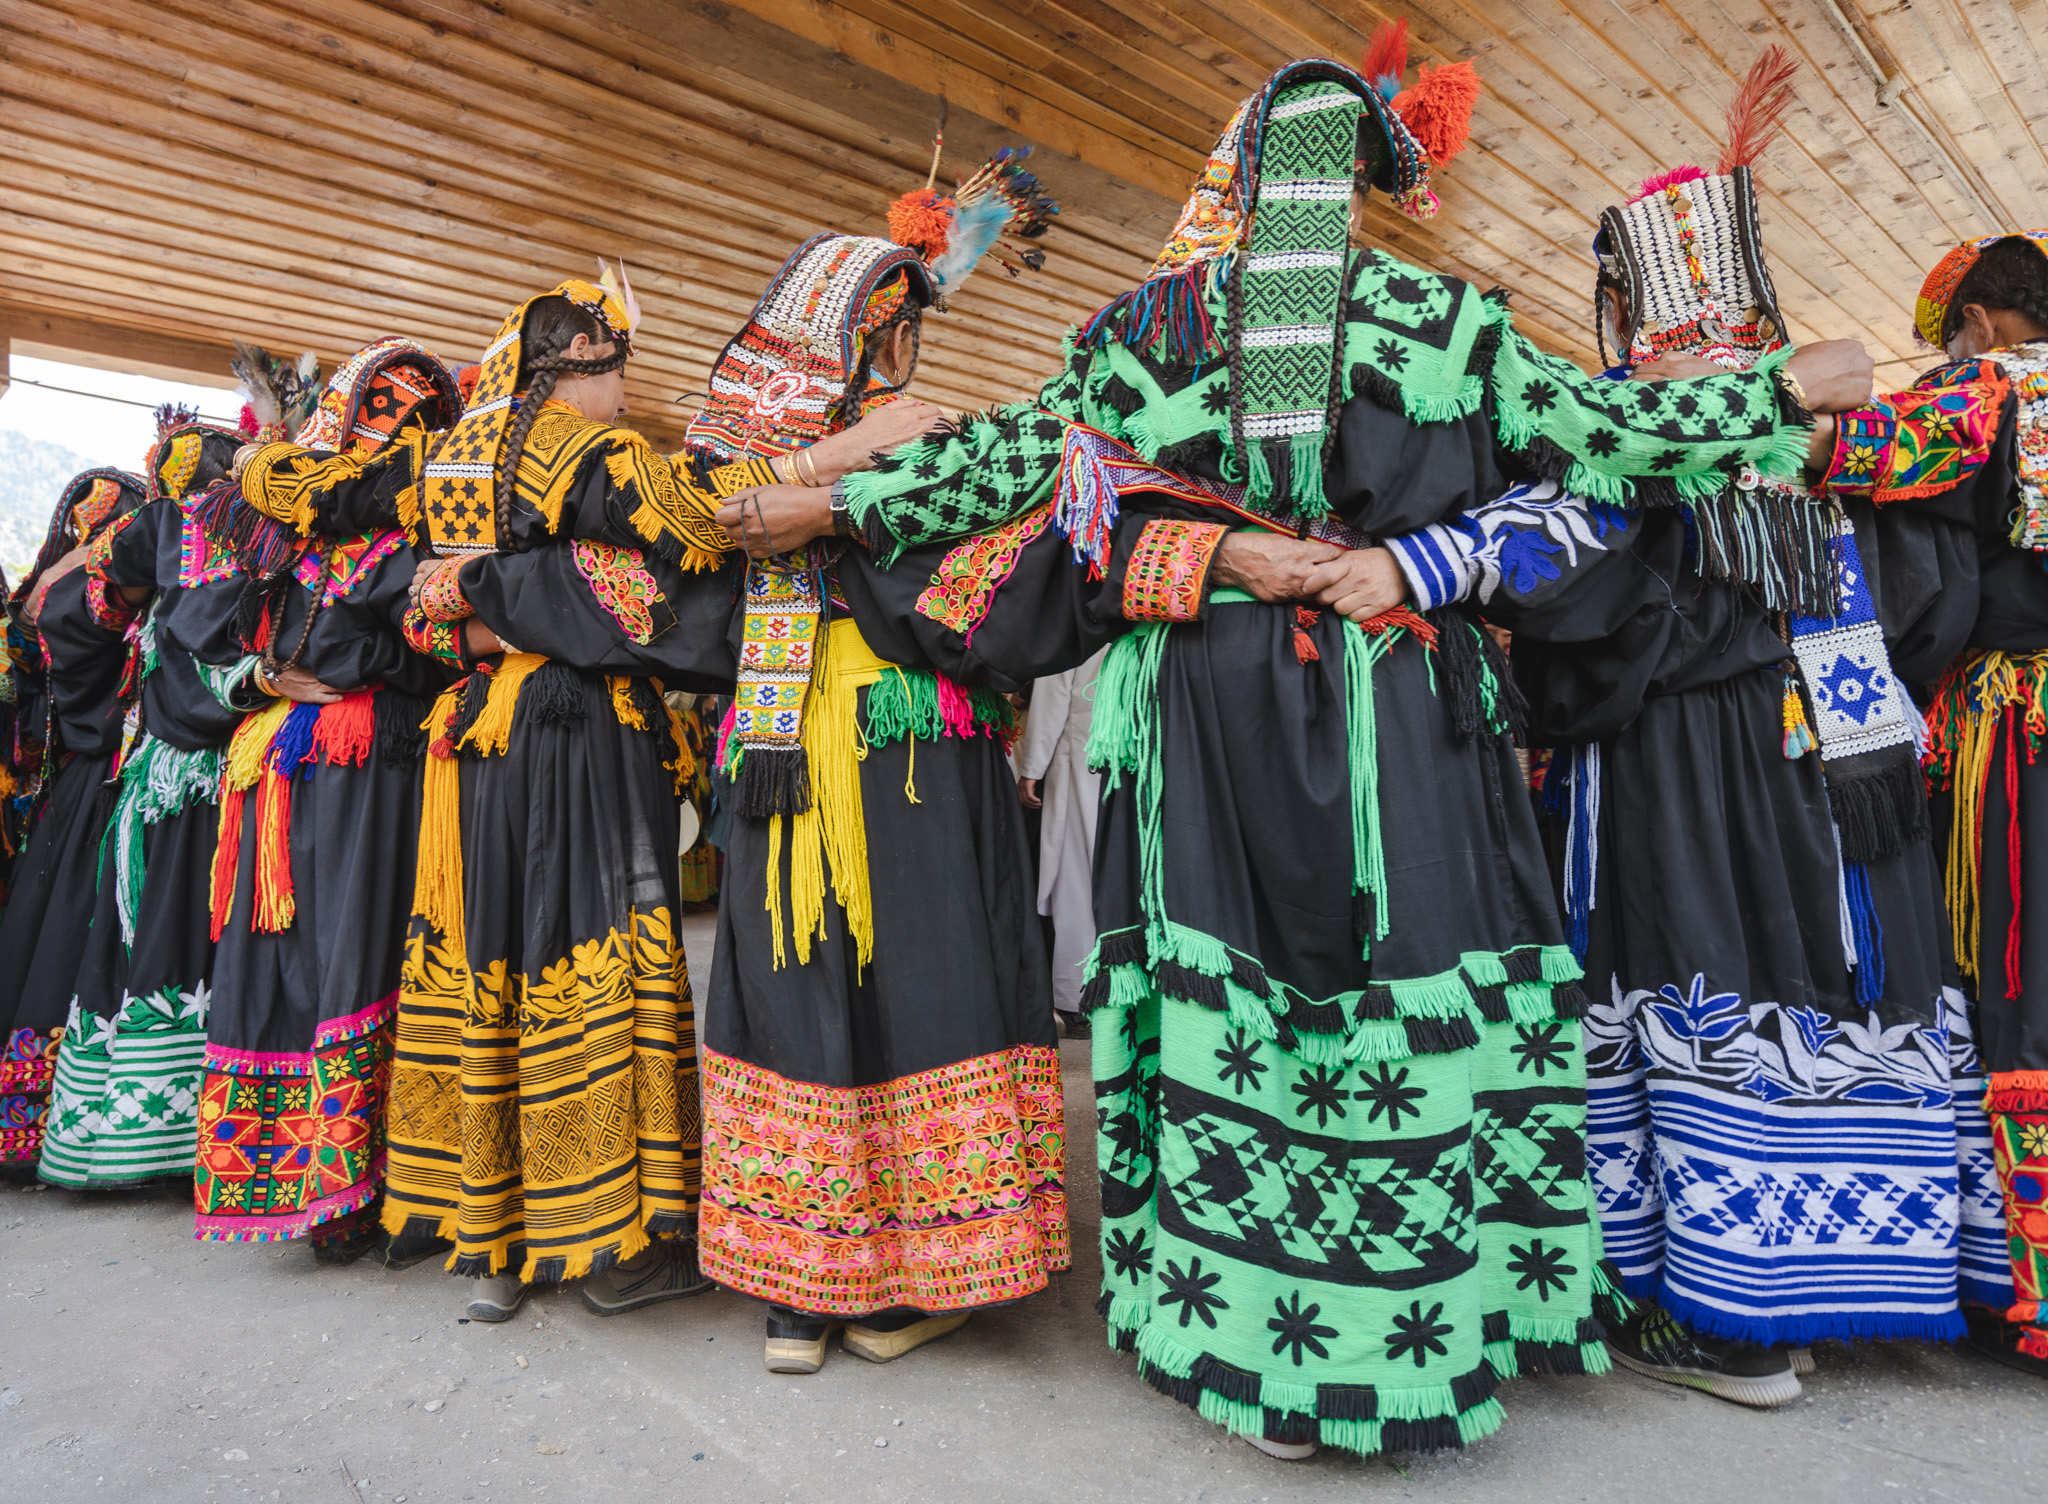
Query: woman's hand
{"points": [[1836, 374], [772, 520], [479, 641], [295, 683], [1268, 566], [1360, 583], [888, 427]]}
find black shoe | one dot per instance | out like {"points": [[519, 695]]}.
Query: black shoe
{"points": [[403, 1250], [1658, 1345], [1999, 1340], [665, 1269], [345, 1250], [1075, 1026], [796, 1343]]}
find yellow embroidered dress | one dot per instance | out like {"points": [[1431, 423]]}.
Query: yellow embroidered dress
{"points": [[544, 1099]]}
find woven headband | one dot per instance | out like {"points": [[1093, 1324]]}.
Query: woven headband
{"points": [[1930, 312]]}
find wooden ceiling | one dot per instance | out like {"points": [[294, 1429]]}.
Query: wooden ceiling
{"points": [[315, 173]]}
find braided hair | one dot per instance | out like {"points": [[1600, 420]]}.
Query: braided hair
{"points": [[2010, 274], [847, 411], [552, 324]]}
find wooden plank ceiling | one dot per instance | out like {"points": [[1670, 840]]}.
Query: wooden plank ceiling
{"points": [[315, 173]]}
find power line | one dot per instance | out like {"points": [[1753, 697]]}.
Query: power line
{"points": [[72, 391]]}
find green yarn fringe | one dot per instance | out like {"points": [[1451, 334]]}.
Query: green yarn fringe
{"points": [[905, 702], [157, 782]]}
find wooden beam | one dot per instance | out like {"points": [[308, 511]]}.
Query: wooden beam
{"points": [[106, 346]]}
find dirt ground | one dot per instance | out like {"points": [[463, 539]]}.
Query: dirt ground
{"points": [[137, 1364]]}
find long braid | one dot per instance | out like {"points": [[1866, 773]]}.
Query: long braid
{"points": [[847, 411], [552, 324]]}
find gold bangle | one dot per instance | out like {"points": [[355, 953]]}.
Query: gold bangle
{"points": [[786, 474], [803, 461]]}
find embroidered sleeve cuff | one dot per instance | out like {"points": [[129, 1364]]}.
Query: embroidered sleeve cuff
{"points": [[441, 597], [1863, 440], [727, 480], [436, 639], [285, 482], [1920, 442], [1437, 562], [108, 610], [1168, 576], [236, 686]]}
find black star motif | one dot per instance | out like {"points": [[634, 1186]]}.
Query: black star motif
{"points": [[1390, 1094], [1540, 1047], [1298, 1329], [1216, 399], [1670, 459], [1418, 1334], [1390, 355], [1241, 1068], [1688, 405], [1602, 443], [1539, 1266], [926, 470], [1130, 1254], [1406, 290], [1321, 1093], [1541, 396], [1190, 1291]]}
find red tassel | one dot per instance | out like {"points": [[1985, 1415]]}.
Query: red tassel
{"points": [[1305, 645], [347, 729], [1401, 618], [274, 903], [227, 856], [2012, 850]]}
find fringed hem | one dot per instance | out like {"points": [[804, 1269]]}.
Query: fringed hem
{"points": [[1880, 813], [1392, 1020], [212, 1227], [2017, 1091], [498, 1256], [1363, 1418], [1814, 1326]]}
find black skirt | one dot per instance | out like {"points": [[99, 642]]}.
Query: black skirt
{"points": [[42, 940], [887, 1134], [299, 1045], [1776, 1160]]}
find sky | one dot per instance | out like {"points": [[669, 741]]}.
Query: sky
{"points": [[100, 431]]}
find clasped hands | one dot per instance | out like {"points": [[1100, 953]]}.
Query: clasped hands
{"points": [[769, 520], [1357, 583]]}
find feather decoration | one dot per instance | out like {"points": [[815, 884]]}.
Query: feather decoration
{"points": [[1657, 182], [1754, 115], [252, 367], [620, 286], [174, 415], [1386, 57], [281, 395], [976, 228]]}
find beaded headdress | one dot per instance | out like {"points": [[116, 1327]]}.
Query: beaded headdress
{"points": [[457, 500], [88, 502], [372, 394], [188, 456], [1930, 310], [1687, 249], [778, 382]]}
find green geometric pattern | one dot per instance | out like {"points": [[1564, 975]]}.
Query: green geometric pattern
{"points": [[125, 1103]]}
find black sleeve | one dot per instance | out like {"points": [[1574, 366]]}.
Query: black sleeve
{"points": [[1921, 568], [543, 602], [1390, 475]]}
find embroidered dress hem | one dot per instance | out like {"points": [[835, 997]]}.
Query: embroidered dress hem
{"points": [[941, 1190]]}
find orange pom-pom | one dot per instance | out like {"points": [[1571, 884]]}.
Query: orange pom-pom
{"points": [[922, 221], [1438, 110]]}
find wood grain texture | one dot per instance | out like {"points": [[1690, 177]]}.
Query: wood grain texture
{"points": [[316, 173]]}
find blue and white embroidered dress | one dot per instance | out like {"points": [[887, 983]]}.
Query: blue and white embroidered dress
{"points": [[1784, 1129]]}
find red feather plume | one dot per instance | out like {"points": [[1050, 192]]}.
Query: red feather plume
{"points": [[1753, 116], [1386, 55]]}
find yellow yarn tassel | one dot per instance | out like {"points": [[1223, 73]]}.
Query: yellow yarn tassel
{"points": [[834, 829], [623, 707], [1997, 684], [244, 763], [491, 732], [437, 875]]}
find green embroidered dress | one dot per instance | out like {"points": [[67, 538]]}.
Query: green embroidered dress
{"points": [[1339, 1080]]}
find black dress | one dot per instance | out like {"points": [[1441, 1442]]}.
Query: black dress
{"points": [[1773, 1081]]}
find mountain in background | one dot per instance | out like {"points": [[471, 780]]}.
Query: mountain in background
{"points": [[32, 473]]}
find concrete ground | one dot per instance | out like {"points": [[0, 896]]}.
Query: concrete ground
{"points": [[137, 1364]]}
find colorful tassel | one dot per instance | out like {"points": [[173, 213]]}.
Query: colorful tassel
{"points": [[1799, 737]]}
